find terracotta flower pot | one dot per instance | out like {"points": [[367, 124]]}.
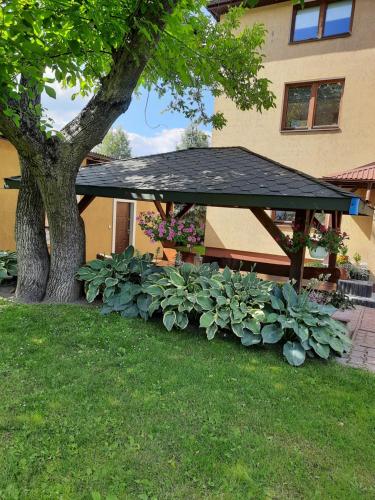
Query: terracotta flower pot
{"points": [[168, 244], [344, 273], [187, 257]]}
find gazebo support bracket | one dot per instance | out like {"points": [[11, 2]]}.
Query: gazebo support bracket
{"points": [[270, 227], [84, 202]]}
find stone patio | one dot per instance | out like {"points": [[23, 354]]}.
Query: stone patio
{"points": [[362, 328]]}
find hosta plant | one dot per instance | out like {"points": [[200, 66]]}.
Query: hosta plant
{"points": [[307, 327], [179, 293], [108, 276], [236, 302], [8, 265]]}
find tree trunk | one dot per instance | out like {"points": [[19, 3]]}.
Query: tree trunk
{"points": [[67, 234], [32, 251]]}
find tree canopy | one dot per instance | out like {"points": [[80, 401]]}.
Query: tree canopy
{"points": [[193, 137], [116, 144], [79, 41]]}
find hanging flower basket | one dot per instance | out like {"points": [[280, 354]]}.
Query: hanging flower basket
{"points": [[171, 232], [318, 252], [168, 244]]}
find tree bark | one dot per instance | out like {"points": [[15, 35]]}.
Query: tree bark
{"points": [[67, 235], [32, 251]]}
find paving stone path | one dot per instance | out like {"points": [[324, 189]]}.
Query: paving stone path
{"points": [[362, 328]]}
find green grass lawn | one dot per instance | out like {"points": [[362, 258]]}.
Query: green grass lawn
{"points": [[102, 408]]}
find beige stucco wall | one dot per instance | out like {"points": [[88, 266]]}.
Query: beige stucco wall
{"points": [[318, 153], [9, 166], [98, 216]]}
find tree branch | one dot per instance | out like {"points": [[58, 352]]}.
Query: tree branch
{"points": [[88, 128]]}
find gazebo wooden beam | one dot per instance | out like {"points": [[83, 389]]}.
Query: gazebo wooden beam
{"points": [[303, 222], [270, 227], [169, 208], [160, 209], [184, 210], [84, 202]]}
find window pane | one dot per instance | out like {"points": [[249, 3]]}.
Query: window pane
{"points": [[298, 107], [283, 216], [328, 104], [338, 18], [306, 24]]}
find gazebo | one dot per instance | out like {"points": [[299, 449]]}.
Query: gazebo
{"points": [[223, 177]]}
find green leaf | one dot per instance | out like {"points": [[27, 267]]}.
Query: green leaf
{"points": [[182, 320], [205, 302], [97, 264], [111, 282], [176, 279], [302, 332], [252, 324], [130, 311], [143, 302], [321, 335], [50, 91], [206, 319], [237, 329], [321, 350], [277, 303], [271, 318], [337, 345], [153, 307], [227, 274], [169, 319], [290, 295], [294, 353], [128, 252], [249, 338], [211, 331], [92, 292], [271, 334]]}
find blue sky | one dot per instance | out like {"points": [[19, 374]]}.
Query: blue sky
{"points": [[150, 128]]}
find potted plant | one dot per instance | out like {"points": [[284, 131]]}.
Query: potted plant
{"points": [[343, 263], [326, 240], [182, 234], [296, 241]]}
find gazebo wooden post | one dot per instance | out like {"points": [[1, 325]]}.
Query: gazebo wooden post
{"points": [[169, 209], [303, 221], [336, 218]]}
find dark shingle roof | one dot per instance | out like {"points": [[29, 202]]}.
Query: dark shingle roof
{"points": [[227, 176]]}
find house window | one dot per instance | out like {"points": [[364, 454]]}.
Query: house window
{"points": [[283, 217], [322, 19], [314, 105]]}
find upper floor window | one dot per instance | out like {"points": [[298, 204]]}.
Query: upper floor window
{"points": [[322, 19], [314, 105]]}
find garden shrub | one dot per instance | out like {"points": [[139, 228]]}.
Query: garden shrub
{"points": [[180, 293], [257, 311], [119, 281], [8, 265], [307, 327]]}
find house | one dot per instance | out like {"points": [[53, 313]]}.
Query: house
{"points": [[110, 223], [321, 62]]}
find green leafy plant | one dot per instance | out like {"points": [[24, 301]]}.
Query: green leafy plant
{"points": [[8, 265], [357, 258], [236, 303], [108, 276], [181, 294], [306, 326]]}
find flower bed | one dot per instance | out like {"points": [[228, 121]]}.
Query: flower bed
{"points": [[256, 311]]}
